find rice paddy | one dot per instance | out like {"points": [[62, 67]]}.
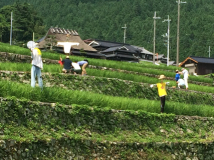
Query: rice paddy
{"points": [[83, 97]]}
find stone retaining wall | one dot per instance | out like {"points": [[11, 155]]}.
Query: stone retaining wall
{"points": [[86, 148], [74, 149], [4, 56], [111, 86]]}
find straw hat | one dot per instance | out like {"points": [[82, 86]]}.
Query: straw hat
{"points": [[177, 71], [162, 77], [67, 56]]}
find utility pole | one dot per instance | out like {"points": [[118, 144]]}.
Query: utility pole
{"points": [[209, 51], [11, 28], [178, 26], [154, 36], [124, 38], [168, 34]]}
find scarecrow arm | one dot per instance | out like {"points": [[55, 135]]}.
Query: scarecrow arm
{"points": [[167, 83], [152, 85]]}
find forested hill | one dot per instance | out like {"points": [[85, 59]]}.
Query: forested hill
{"points": [[103, 19]]}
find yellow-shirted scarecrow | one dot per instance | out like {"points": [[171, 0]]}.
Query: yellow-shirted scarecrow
{"points": [[161, 91]]}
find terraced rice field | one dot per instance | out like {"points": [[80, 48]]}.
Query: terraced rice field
{"points": [[108, 114]]}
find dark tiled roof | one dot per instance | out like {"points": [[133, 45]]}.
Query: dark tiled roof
{"points": [[88, 53], [109, 44], [113, 46], [95, 54], [203, 59], [143, 50], [112, 49], [41, 39], [110, 55], [122, 48], [127, 56]]}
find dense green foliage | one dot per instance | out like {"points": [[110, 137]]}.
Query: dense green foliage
{"points": [[103, 19], [25, 22], [52, 131]]}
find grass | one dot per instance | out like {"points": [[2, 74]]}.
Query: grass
{"points": [[52, 68], [143, 67], [41, 140], [69, 97], [26, 67], [45, 133], [97, 62]]}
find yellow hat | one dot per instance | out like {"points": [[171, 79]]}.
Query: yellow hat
{"points": [[162, 77], [67, 56]]}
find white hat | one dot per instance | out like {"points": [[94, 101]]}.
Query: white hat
{"points": [[31, 44]]}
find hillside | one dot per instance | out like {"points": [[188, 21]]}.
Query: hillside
{"points": [[112, 113], [103, 19]]}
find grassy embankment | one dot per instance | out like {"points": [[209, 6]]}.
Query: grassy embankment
{"points": [[144, 67], [70, 97], [102, 73]]}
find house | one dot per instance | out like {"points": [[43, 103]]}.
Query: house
{"points": [[115, 50], [199, 65], [55, 37], [146, 55], [164, 60]]}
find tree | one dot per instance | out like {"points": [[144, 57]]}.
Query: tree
{"points": [[103, 19], [25, 22], [3, 25], [51, 41]]}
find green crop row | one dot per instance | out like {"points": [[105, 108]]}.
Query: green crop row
{"points": [[144, 67], [112, 87], [63, 96], [141, 68], [102, 73], [97, 62]]}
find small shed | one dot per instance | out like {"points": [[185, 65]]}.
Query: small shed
{"points": [[199, 65]]}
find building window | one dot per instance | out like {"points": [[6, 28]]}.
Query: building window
{"points": [[143, 56]]}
